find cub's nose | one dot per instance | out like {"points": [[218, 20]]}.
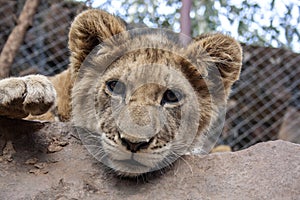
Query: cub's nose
{"points": [[134, 146]]}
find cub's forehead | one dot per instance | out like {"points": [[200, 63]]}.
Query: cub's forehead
{"points": [[157, 62], [144, 57], [141, 68], [142, 47]]}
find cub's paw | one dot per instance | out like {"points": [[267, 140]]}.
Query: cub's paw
{"points": [[19, 97]]}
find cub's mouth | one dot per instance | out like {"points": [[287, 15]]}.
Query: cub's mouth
{"points": [[134, 158]]}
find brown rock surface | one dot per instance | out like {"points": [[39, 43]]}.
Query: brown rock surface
{"points": [[268, 170], [290, 128]]}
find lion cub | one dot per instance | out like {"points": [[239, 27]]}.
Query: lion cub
{"points": [[139, 98]]}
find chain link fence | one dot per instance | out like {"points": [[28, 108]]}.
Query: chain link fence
{"points": [[266, 99], [264, 103], [44, 49]]}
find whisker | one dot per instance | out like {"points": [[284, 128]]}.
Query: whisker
{"points": [[185, 161]]}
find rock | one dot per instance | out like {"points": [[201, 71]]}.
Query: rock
{"points": [[290, 130], [268, 170], [8, 152], [54, 148], [31, 161]]}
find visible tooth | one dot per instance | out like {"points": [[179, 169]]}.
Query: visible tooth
{"points": [[116, 137], [147, 140]]}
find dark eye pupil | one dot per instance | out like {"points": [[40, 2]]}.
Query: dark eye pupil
{"points": [[116, 87], [171, 97]]}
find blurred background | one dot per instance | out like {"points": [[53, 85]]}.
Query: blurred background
{"points": [[265, 102]]}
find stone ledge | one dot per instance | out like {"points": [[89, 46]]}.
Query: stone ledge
{"points": [[28, 170]]}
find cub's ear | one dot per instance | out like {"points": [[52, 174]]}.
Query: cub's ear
{"points": [[221, 51], [88, 30]]}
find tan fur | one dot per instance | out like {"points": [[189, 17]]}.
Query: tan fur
{"points": [[210, 64], [63, 84]]}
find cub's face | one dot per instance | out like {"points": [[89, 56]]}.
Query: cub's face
{"points": [[141, 113], [148, 112], [141, 100]]}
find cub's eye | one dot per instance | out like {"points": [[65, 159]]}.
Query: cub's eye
{"points": [[171, 96], [116, 87]]}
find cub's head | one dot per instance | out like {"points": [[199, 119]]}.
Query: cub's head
{"points": [[142, 99]]}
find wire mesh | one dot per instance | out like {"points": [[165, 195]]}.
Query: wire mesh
{"points": [[269, 85]]}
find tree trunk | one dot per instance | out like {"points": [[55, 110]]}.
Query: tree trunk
{"points": [[16, 37], [185, 21]]}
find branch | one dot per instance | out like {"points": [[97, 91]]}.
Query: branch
{"points": [[16, 37]]}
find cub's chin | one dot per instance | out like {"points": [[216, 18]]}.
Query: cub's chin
{"points": [[131, 168], [125, 163], [128, 168]]}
